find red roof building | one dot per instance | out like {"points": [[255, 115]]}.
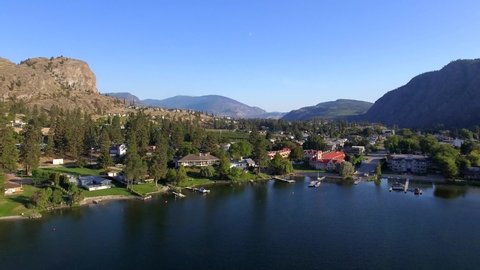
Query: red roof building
{"points": [[328, 160]]}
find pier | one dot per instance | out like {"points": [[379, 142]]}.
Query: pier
{"points": [[284, 179]]}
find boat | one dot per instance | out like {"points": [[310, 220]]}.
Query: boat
{"points": [[320, 178], [313, 183], [318, 183], [356, 182], [203, 190], [418, 191]]}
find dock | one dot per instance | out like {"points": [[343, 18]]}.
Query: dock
{"points": [[405, 188], [178, 194], [284, 179]]}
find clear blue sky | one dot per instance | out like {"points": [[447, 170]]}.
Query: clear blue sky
{"points": [[278, 55]]}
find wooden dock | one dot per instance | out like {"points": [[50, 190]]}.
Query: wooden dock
{"points": [[178, 194], [284, 179]]}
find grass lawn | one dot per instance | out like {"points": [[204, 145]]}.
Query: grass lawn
{"points": [[305, 168], [14, 205], [74, 170], [191, 182], [144, 189]]}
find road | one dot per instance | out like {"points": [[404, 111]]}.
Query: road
{"points": [[370, 163]]}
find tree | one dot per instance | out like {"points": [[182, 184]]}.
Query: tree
{"points": [[135, 168], [2, 183], [57, 197], [259, 153], [224, 167], [171, 175], [240, 149], [315, 142], [105, 160], [158, 165], [297, 154], [8, 150], [346, 170], [31, 147], [181, 175], [281, 166], [207, 172]]}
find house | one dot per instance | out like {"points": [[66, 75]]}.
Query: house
{"points": [[244, 164], [12, 188], [94, 182], [328, 160], [310, 153], [471, 173], [57, 161], [457, 143], [118, 150], [408, 163], [284, 153], [198, 160]]}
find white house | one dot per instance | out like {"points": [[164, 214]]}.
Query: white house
{"points": [[118, 150]]}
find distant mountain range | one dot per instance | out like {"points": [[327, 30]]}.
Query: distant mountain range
{"points": [[339, 108], [449, 97], [215, 104]]}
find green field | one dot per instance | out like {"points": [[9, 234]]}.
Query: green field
{"points": [[144, 189], [74, 170], [194, 182], [16, 204]]}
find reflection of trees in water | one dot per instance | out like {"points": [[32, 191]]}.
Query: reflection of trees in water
{"points": [[449, 192]]}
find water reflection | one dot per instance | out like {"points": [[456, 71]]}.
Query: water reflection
{"points": [[450, 192]]}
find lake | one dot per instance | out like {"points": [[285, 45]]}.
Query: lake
{"points": [[258, 226]]}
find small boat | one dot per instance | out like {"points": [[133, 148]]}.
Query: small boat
{"points": [[418, 191], [203, 190], [313, 183], [318, 183], [356, 182]]}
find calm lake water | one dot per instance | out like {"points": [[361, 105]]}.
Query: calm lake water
{"points": [[258, 226]]}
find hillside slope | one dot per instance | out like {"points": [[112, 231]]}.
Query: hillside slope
{"points": [[329, 110], [449, 97]]}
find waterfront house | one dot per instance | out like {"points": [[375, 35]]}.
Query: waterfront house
{"points": [[198, 160], [94, 182], [471, 173], [12, 188], [244, 164], [408, 163], [327, 161], [284, 153]]}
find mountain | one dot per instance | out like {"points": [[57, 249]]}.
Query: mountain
{"points": [[329, 110], [125, 96], [215, 104], [449, 97], [66, 82], [218, 105]]}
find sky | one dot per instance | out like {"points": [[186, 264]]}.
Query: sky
{"points": [[274, 54]]}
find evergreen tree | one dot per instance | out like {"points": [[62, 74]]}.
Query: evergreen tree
{"points": [[224, 167], [135, 168], [30, 153], [158, 165], [8, 150], [105, 160]]}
